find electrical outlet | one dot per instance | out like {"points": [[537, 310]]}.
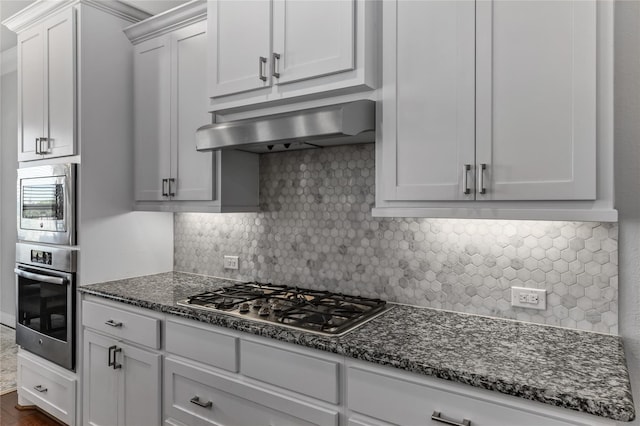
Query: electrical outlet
{"points": [[532, 298], [231, 262]]}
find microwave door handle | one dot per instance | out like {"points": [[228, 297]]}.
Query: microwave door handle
{"points": [[38, 277]]}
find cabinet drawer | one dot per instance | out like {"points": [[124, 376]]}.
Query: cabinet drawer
{"points": [[121, 324], [311, 376], [407, 402], [48, 389], [194, 395], [200, 344]]}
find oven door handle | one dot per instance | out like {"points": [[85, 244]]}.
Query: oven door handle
{"points": [[38, 277]]}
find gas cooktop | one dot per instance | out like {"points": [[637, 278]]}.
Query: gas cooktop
{"points": [[316, 311]]}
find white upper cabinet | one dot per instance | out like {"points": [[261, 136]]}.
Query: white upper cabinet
{"points": [[496, 100], [170, 105], [429, 100], [536, 99], [271, 50], [152, 117], [239, 55], [312, 38], [46, 88]]}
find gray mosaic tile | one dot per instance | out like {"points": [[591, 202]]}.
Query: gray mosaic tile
{"points": [[315, 230]]}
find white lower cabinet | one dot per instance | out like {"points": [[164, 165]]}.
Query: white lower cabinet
{"points": [[48, 386], [198, 396], [219, 376], [382, 396], [122, 383]]}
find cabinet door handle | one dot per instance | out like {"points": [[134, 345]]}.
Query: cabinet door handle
{"points": [[275, 65], [113, 350], [465, 179], [40, 388], [261, 68], [164, 187], [171, 192], [196, 400], [115, 364], [113, 323], [38, 151], [437, 417], [44, 151], [110, 361], [481, 188]]}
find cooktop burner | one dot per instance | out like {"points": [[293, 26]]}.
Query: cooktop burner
{"points": [[311, 310]]}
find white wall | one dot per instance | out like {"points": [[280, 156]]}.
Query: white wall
{"points": [[627, 157], [8, 164]]}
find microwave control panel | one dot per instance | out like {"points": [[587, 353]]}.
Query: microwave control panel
{"points": [[40, 256]]}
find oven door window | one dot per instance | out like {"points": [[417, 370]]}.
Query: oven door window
{"points": [[42, 204], [43, 307]]}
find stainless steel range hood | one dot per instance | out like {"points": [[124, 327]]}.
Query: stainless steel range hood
{"points": [[341, 124]]}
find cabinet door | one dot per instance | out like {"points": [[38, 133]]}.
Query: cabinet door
{"points": [[100, 390], [191, 170], [140, 387], [428, 98], [312, 38], [152, 124], [30, 92], [59, 84], [536, 99], [239, 43]]}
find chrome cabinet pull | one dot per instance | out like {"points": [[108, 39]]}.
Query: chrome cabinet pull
{"points": [[164, 187], [171, 192], [481, 187], [113, 350], [261, 68], [275, 65], [465, 179], [38, 150], [40, 388], [44, 151], [113, 323], [196, 400], [437, 417]]}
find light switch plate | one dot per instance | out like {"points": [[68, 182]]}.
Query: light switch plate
{"points": [[532, 298]]}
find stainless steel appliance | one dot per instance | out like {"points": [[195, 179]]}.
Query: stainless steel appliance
{"points": [[341, 124], [45, 301], [316, 311], [46, 204]]}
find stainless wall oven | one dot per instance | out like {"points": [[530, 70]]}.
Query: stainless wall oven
{"points": [[45, 302], [46, 204]]}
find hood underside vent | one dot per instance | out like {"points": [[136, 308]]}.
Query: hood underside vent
{"points": [[332, 125]]}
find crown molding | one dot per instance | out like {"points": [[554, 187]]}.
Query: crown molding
{"points": [[168, 21], [9, 60], [39, 10]]}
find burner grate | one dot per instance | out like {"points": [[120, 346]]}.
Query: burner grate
{"points": [[311, 310]]}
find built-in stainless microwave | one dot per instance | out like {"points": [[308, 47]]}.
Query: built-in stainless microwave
{"points": [[46, 204]]}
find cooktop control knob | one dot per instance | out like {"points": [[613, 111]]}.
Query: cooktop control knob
{"points": [[264, 311], [244, 308], [257, 304]]}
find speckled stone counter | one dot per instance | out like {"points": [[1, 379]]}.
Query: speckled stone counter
{"points": [[577, 370]]}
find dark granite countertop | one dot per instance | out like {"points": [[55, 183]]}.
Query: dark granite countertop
{"points": [[578, 370]]}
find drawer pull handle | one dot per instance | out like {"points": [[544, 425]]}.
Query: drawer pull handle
{"points": [[113, 323], [40, 389], [437, 417], [196, 400]]}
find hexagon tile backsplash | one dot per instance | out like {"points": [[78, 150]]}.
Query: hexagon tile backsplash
{"points": [[316, 231]]}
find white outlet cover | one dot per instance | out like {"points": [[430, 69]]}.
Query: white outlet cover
{"points": [[231, 262], [530, 298]]}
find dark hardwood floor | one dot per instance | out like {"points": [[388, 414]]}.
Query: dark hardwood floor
{"points": [[10, 416]]}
